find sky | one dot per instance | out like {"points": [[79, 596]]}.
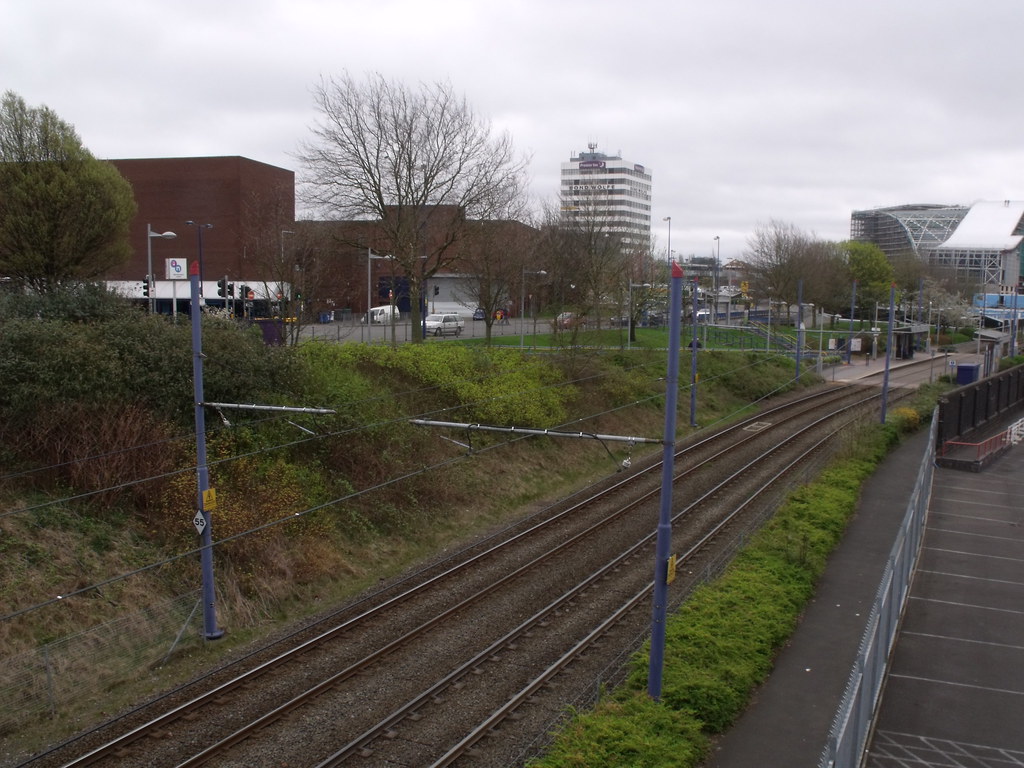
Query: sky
{"points": [[746, 112]]}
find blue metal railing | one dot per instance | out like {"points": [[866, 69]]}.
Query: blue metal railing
{"points": [[848, 736]]}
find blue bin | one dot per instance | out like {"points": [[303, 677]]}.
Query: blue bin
{"points": [[966, 373]]}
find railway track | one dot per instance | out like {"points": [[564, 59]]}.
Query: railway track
{"points": [[466, 662]]}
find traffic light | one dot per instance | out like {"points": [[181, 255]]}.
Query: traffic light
{"points": [[222, 286], [231, 289], [244, 291], [145, 286]]}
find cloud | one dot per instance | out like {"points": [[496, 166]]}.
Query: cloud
{"points": [[745, 111]]}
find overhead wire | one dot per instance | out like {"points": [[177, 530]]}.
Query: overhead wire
{"points": [[324, 505], [267, 449]]}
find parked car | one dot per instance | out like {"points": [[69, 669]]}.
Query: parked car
{"points": [[444, 325], [479, 313], [378, 315], [568, 320]]}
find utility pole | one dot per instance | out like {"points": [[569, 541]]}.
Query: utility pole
{"points": [[663, 564], [205, 498]]}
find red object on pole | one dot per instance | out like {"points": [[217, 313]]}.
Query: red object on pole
{"points": [[193, 268], [677, 271]]}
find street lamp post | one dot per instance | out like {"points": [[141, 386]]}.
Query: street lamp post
{"points": [[296, 312], [522, 305], [669, 220], [150, 234], [370, 256], [283, 233]]}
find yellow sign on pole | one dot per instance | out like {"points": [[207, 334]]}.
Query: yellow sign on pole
{"points": [[210, 499], [671, 576]]}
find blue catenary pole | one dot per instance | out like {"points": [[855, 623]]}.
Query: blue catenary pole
{"points": [[693, 361], [664, 535], [202, 517]]}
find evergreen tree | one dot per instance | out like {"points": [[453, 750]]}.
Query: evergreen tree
{"points": [[64, 215]]}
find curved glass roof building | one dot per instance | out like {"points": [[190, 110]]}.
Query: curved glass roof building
{"points": [[980, 242]]}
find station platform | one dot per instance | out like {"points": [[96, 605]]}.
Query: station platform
{"points": [[955, 689]]}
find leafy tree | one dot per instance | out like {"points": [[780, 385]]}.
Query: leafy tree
{"points": [[419, 162], [64, 215], [871, 269]]}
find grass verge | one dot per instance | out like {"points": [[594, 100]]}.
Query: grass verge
{"points": [[721, 644]]}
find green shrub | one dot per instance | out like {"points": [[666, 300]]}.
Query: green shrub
{"points": [[721, 643], [632, 732]]}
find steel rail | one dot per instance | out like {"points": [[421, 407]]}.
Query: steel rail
{"points": [[122, 741], [359, 744], [495, 718]]}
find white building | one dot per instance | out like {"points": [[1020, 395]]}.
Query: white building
{"points": [[986, 245], [610, 190], [981, 242]]}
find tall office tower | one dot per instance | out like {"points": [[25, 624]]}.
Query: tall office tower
{"points": [[607, 191]]}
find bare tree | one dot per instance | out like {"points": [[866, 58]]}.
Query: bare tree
{"points": [[495, 257], [589, 260], [781, 257], [419, 162], [270, 250]]}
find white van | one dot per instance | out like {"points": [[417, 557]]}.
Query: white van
{"points": [[379, 315]]}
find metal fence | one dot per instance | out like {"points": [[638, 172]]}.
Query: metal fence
{"points": [[56, 677], [972, 407], [849, 733]]}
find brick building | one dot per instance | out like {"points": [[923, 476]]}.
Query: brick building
{"points": [[243, 218], [242, 212]]}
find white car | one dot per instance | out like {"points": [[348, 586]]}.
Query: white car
{"points": [[444, 325]]}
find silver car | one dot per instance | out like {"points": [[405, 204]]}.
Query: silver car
{"points": [[444, 325]]}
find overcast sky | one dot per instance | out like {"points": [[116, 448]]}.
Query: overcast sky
{"points": [[745, 111]]}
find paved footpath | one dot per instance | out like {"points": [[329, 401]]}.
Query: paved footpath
{"points": [[955, 692], [788, 722]]}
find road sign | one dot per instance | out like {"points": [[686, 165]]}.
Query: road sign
{"points": [[176, 269], [199, 521]]}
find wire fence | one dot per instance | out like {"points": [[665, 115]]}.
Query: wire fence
{"points": [[855, 716], [59, 676]]}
